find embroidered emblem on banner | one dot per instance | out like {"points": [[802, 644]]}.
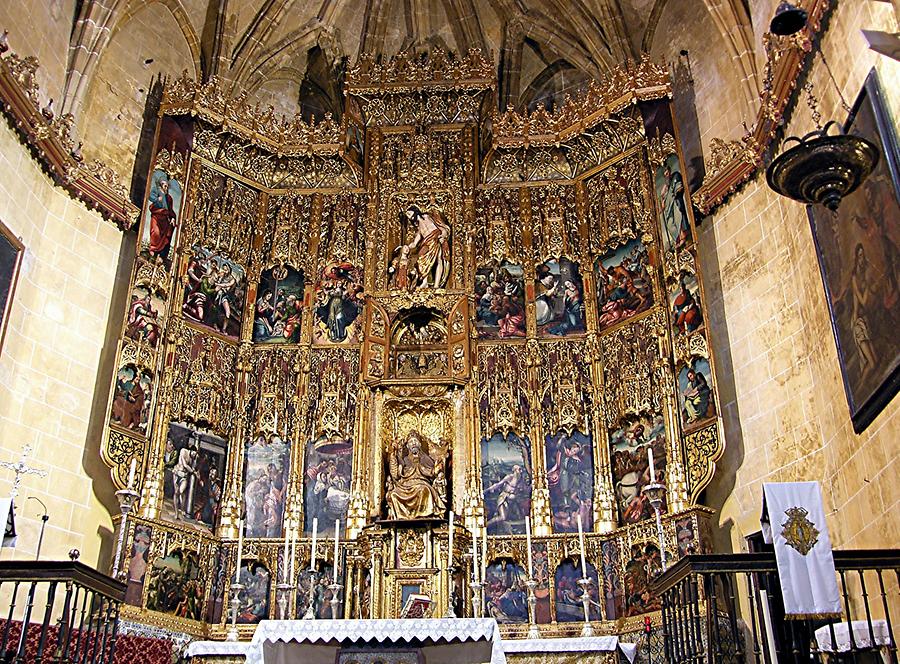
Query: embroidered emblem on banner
{"points": [[799, 531]]}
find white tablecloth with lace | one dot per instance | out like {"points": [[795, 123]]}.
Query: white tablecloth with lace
{"points": [[577, 644]]}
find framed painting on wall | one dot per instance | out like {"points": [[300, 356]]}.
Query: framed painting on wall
{"points": [[858, 249], [11, 251]]}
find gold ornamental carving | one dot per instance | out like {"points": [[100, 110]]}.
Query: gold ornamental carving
{"points": [[798, 531], [410, 548]]}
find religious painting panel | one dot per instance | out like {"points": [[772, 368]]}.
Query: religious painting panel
{"points": [[146, 315], [267, 460], [541, 561], [559, 298], [695, 395], [500, 300], [11, 252], [421, 259], [175, 586], [326, 482], [568, 593], [215, 601], [685, 537], [132, 394], [321, 594], [506, 479], [254, 598], [613, 589], [278, 312], [684, 303], [570, 477], [630, 444], [138, 560], [194, 468], [338, 305], [858, 250], [673, 204], [643, 566], [506, 592], [214, 292], [624, 284]]}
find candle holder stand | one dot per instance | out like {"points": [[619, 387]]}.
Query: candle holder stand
{"points": [[236, 589], [335, 600], [534, 632], [127, 499], [656, 492], [310, 609], [477, 602], [450, 613], [586, 629], [283, 590]]}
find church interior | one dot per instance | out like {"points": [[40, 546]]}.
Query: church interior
{"points": [[413, 331]]}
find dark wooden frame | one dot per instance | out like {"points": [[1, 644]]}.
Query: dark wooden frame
{"points": [[6, 307], [862, 414]]}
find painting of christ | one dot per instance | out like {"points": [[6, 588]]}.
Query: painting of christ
{"points": [[326, 482], [570, 477], [424, 260], [194, 468], [624, 284], [500, 301], [266, 470], [214, 292], [278, 310], [631, 464]]}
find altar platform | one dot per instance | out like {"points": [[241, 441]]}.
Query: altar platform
{"points": [[410, 641]]}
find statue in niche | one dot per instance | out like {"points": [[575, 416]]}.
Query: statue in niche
{"points": [[425, 261], [417, 479]]}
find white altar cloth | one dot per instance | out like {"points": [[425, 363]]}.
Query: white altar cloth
{"points": [[861, 636], [577, 644]]}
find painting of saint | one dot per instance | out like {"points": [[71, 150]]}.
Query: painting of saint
{"points": [[266, 468], [424, 261], [321, 593], [684, 303], [215, 602], [254, 598], [146, 314], [570, 477], [326, 482], [175, 586], [624, 284], [613, 590], [214, 292], [695, 392], [161, 216], [505, 592], [631, 465], [568, 592], [541, 573], [858, 250], [137, 563], [278, 311], [500, 301], [559, 303], [194, 465], [684, 536], [131, 398], [673, 205], [640, 570], [506, 474], [339, 301]]}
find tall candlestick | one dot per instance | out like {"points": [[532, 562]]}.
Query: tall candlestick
{"points": [[131, 474], [312, 553], [284, 567], [240, 551], [652, 467], [337, 550], [528, 544], [450, 543], [581, 543], [484, 554]]}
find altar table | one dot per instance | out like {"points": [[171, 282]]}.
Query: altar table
{"points": [[441, 641]]}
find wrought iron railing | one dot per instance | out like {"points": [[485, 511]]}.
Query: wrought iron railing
{"points": [[71, 613], [727, 609]]}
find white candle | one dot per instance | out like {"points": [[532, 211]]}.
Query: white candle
{"points": [[284, 568], [652, 467], [293, 553], [312, 554], [240, 551], [131, 474], [372, 585], [337, 550], [581, 542], [450, 544], [199, 543], [528, 544]]}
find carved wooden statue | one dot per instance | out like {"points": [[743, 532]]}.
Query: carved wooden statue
{"points": [[417, 484]]}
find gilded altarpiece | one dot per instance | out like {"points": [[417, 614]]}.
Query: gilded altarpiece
{"points": [[423, 308]]}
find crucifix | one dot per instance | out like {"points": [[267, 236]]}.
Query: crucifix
{"points": [[21, 468]]}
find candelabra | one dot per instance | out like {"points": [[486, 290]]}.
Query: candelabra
{"points": [[127, 499], [284, 595], [586, 629], [534, 632], [656, 492], [450, 612], [310, 608], [236, 589], [335, 600]]}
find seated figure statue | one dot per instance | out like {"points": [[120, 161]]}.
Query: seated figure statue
{"points": [[416, 488]]}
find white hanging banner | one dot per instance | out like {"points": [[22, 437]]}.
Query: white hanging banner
{"points": [[8, 518], [793, 518]]}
